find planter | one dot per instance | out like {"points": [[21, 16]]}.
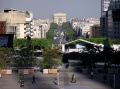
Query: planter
{"points": [[26, 71], [45, 71], [21, 71], [52, 71], [31, 71], [9, 71], [5, 71]]}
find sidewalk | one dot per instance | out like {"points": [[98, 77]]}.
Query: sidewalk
{"points": [[49, 81]]}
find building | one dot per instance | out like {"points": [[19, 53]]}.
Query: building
{"points": [[40, 28], [82, 27], [104, 17], [19, 23], [95, 30], [110, 20], [114, 20], [15, 21], [59, 18]]}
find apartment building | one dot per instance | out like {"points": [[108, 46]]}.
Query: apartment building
{"points": [[15, 21]]}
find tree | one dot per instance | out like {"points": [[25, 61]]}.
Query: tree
{"points": [[5, 57], [69, 33], [25, 58], [51, 32], [34, 42], [51, 57]]}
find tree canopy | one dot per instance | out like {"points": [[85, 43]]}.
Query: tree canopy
{"points": [[51, 57], [5, 57], [69, 33], [34, 42], [50, 34]]}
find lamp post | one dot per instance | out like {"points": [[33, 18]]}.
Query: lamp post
{"points": [[114, 78], [58, 80], [41, 30]]}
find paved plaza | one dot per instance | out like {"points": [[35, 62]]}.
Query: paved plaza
{"points": [[49, 81]]}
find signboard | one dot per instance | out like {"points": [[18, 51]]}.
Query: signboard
{"points": [[6, 40]]}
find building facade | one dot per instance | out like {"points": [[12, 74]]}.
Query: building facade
{"points": [[104, 17], [15, 21], [110, 20], [2, 27], [114, 20], [95, 30]]}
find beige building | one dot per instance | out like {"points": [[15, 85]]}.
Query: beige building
{"points": [[15, 21], [59, 18], [95, 30]]}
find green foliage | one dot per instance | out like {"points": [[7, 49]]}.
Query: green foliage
{"points": [[95, 40], [115, 41], [51, 57], [24, 59], [5, 57], [53, 26], [50, 34], [27, 13], [35, 42], [19, 43], [69, 33]]}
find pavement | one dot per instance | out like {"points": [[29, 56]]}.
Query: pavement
{"points": [[49, 81]]}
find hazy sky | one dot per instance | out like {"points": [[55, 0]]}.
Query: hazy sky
{"points": [[44, 9]]}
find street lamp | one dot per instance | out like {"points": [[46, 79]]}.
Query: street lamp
{"points": [[114, 78], [58, 80]]}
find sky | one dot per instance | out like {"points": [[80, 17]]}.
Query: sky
{"points": [[44, 9]]}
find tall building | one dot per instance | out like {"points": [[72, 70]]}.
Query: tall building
{"points": [[114, 20], [104, 17], [110, 20], [105, 5]]}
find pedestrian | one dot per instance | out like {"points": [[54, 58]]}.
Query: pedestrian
{"points": [[91, 74], [73, 79], [105, 78], [33, 81], [111, 82]]}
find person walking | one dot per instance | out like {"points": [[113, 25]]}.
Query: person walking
{"points": [[91, 74], [104, 78], [73, 79], [33, 81]]}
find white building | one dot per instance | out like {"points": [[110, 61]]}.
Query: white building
{"points": [[82, 28], [40, 28]]}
